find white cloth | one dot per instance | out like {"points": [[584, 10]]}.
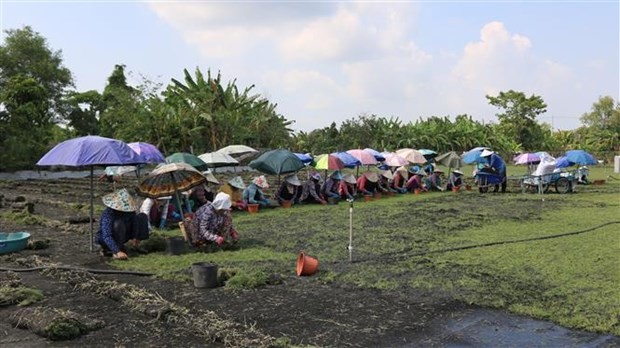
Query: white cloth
{"points": [[222, 201], [146, 206]]}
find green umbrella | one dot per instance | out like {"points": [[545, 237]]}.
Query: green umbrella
{"points": [[451, 160], [277, 162], [184, 157]]}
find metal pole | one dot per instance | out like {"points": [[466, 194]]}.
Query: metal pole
{"points": [[92, 208], [350, 229]]}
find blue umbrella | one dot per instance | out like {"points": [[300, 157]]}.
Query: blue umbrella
{"points": [[150, 153], [305, 158], [580, 157], [428, 153], [90, 151], [473, 155], [563, 162], [378, 155], [348, 159]]}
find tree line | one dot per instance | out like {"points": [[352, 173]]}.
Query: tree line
{"points": [[39, 107]]}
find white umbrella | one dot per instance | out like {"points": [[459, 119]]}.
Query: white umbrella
{"points": [[218, 159], [411, 155], [236, 150]]}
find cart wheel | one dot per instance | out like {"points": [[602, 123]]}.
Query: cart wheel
{"points": [[562, 186], [545, 188]]}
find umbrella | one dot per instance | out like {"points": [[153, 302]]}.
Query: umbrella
{"points": [[527, 158], [149, 153], [119, 170], [394, 160], [378, 155], [563, 162], [542, 155], [428, 153], [169, 179], [411, 155], [580, 157], [277, 162], [218, 159], [364, 157], [450, 159], [328, 162], [184, 157], [237, 150], [348, 159], [473, 155], [304, 157], [90, 151]]}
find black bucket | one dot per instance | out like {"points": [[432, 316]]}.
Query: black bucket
{"points": [[175, 245], [204, 274]]}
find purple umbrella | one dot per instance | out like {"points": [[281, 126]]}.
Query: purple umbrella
{"points": [[527, 158], [90, 151], [149, 153]]}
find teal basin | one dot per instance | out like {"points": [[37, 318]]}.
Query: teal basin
{"points": [[13, 241]]}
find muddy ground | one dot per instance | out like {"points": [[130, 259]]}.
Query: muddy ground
{"points": [[299, 311]]}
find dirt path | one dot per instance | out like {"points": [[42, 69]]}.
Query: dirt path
{"points": [[300, 309]]}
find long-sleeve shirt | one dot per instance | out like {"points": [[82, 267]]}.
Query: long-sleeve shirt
{"points": [[284, 194], [330, 188], [209, 224], [364, 185], [497, 163], [455, 180], [399, 181], [236, 195], [106, 224], [433, 182], [252, 194], [415, 182], [383, 184], [311, 188], [345, 189]]}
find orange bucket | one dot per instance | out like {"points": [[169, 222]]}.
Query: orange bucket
{"points": [[286, 204], [306, 265], [367, 198], [253, 208], [468, 187], [416, 191], [456, 189], [377, 195], [390, 194]]}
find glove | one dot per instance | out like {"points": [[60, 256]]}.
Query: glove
{"points": [[120, 256], [234, 235], [323, 202], [219, 240]]}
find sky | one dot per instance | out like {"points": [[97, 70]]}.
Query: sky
{"points": [[331, 61]]}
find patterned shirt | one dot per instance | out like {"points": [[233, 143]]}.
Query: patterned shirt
{"points": [[106, 224], [208, 224], [252, 194], [284, 194], [311, 188], [330, 188]]}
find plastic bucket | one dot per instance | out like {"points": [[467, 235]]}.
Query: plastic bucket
{"points": [[377, 195], [306, 265], [253, 208], [456, 189], [286, 204], [175, 245], [205, 275], [468, 187], [332, 201], [367, 198], [390, 194], [416, 191]]}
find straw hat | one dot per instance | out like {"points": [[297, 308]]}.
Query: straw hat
{"points": [[237, 182], [222, 201], [371, 176], [438, 171], [457, 172], [210, 177], [387, 174], [486, 153], [260, 181], [293, 180], [350, 178], [120, 200]]}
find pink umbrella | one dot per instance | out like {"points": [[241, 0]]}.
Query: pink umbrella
{"points": [[364, 157], [527, 158], [394, 160], [411, 155]]}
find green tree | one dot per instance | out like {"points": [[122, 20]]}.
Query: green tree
{"points": [[120, 103], [83, 112], [519, 119], [33, 81]]}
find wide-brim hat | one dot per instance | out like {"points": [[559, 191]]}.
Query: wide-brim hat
{"points": [[438, 171], [403, 172], [486, 153], [387, 174], [210, 177], [457, 172], [237, 182], [293, 180], [120, 200], [350, 178], [260, 181], [336, 175], [222, 201], [371, 176]]}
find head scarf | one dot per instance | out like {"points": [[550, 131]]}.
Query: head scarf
{"points": [[260, 181], [222, 201]]}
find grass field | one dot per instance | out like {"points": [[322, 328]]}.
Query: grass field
{"points": [[407, 243]]}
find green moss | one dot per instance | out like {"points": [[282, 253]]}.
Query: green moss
{"points": [[20, 295]]}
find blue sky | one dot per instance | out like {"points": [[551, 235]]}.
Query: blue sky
{"points": [[332, 61]]}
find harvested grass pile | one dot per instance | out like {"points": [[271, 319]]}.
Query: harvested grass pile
{"points": [[53, 323], [12, 291], [206, 323]]}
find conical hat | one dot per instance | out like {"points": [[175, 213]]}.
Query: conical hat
{"points": [[293, 180], [120, 200], [350, 178], [336, 175], [210, 177], [387, 174], [237, 182], [371, 176], [403, 172], [457, 172]]}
